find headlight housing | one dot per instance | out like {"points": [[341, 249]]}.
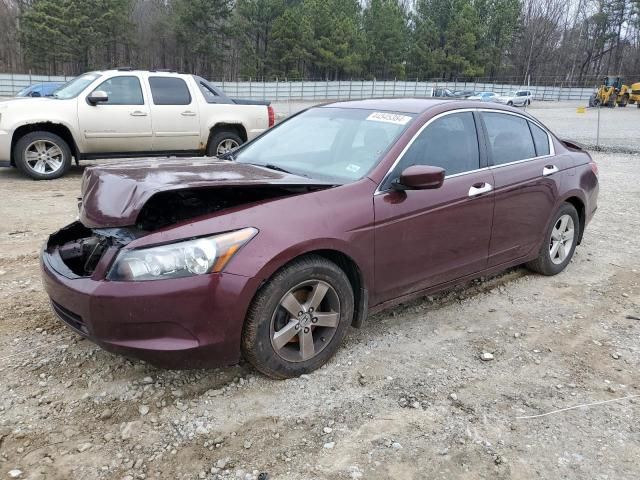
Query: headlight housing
{"points": [[198, 256]]}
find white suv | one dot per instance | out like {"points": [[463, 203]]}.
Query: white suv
{"points": [[125, 113], [518, 97]]}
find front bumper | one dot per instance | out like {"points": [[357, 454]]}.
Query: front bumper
{"points": [[5, 148], [192, 322]]}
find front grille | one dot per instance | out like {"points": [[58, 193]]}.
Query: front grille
{"points": [[72, 319]]}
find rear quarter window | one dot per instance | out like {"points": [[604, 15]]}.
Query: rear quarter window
{"points": [[169, 91], [540, 139]]}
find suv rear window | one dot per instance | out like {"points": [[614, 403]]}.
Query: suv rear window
{"points": [[169, 91]]}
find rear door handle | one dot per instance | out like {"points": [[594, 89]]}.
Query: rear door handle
{"points": [[549, 170], [138, 113], [479, 189], [188, 113]]}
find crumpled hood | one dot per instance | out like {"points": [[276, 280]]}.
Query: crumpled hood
{"points": [[113, 195]]}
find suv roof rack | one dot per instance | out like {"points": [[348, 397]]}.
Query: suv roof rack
{"points": [[163, 70], [124, 69]]}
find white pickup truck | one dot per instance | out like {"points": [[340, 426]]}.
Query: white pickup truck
{"points": [[125, 113]]}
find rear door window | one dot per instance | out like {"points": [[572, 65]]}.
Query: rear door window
{"points": [[449, 142], [122, 91], [169, 91], [540, 139], [510, 139]]}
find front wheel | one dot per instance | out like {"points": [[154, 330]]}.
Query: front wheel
{"points": [[42, 155], [298, 320], [560, 242]]}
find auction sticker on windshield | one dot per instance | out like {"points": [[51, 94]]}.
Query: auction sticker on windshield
{"points": [[389, 118]]}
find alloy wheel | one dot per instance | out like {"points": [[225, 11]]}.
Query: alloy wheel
{"points": [[226, 145], [561, 239], [305, 321], [44, 157]]}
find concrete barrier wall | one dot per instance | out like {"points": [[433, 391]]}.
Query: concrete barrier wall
{"points": [[10, 84]]}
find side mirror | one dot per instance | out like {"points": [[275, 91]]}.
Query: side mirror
{"points": [[420, 177], [97, 96]]}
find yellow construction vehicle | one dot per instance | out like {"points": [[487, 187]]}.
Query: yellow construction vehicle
{"points": [[634, 96], [612, 92]]}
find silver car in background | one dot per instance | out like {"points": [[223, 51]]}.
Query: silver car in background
{"points": [[515, 97]]}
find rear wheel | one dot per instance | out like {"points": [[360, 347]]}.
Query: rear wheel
{"points": [[42, 155], [560, 242], [223, 141], [510, 103], [298, 319]]}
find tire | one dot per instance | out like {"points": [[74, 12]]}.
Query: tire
{"points": [[545, 263], [42, 155], [528, 102], [218, 139], [510, 103], [625, 100], [594, 101], [265, 343]]}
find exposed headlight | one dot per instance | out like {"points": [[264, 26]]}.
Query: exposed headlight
{"points": [[183, 259]]}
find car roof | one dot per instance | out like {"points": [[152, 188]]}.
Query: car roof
{"points": [[406, 105], [419, 105]]}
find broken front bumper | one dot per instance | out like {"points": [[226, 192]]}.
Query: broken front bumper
{"points": [[191, 322]]}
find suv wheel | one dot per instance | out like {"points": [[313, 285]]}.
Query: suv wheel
{"points": [[42, 155], [223, 141], [560, 242], [298, 319]]}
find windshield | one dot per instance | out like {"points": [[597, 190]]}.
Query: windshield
{"points": [[73, 88], [334, 144]]}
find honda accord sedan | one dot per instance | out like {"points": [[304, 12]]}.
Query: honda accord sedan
{"points": [[343, 210]]}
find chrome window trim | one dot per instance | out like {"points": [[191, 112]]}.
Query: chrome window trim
{"points": [[490, 167], [413, 139]]}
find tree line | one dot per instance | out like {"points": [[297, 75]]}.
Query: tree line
{"points": [[574, 41]]}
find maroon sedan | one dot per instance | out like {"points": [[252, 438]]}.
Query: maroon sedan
{"points": [[338, 212]]}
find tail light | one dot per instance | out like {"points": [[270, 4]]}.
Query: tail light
{"points": [[272, 116], [594, 167]]}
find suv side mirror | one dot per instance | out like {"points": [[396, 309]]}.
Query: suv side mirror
{"points": [[97, 96], [419, 177]]}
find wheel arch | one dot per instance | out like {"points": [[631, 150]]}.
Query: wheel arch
{"points": [[59, 129], [237, 126], [578, 204], [343, 260]]}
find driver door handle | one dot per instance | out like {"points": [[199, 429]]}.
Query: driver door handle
{"points": [[479, 189], [138, 113], [549, 170], [188, 113]]}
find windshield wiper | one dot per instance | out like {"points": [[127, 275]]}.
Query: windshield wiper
{"points": [[270, 166]]}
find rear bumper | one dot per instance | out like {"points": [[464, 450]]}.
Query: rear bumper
{"points": [[193, 322]]}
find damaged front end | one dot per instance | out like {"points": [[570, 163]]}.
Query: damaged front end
{"points": [[76, 251]]}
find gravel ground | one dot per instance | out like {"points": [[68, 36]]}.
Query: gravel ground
{"points": [[407, 397]]}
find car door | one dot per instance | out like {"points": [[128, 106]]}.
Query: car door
{"points": [[122, 123], [527, 179], [174, 115], [428, 237]]}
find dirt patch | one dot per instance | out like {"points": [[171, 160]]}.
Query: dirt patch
{"points": [[407, 397]]}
